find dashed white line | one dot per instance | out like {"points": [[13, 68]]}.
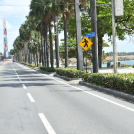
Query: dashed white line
{"points": [[24, 86], [46, 124], [30, 97], [16, 73]]}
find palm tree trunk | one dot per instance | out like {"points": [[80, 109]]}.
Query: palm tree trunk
{"points": [[31, 58], [40, 56], [100, 43], [28, 56], [44, 52], [65, 42], [47, 56], [37, 58], [20, 56], [51, 45], [42, 46], [25, 51], [56, 41]]}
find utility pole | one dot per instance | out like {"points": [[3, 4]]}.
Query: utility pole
{"points": [[56, 41], [114, 38], [78, 36], [117, 10], [94, 39]]}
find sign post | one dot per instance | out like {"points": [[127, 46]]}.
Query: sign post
{"points": [[85, 43]]}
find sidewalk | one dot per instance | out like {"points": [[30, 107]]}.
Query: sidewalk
{"points": [[119, 70]]}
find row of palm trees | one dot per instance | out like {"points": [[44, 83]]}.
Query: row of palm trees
{"points": [[33, 39]]}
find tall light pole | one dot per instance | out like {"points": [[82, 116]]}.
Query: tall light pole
{"points": [[114, 38], [78, 36], [117, 10]]}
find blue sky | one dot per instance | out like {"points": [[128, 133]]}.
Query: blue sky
{"points": [[15, 16]]}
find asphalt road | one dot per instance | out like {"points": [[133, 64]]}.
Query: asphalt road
{"points": [[35, 103]]}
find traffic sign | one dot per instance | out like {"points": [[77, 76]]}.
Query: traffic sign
{"points": [[23, 57], [90, 34], [85, 43]]}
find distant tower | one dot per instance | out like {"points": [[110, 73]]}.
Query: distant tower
{"points": [[5, 40]]}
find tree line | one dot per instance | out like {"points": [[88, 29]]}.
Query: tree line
{"points": [[35, 40]]}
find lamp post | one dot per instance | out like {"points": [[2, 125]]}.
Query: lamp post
{"points": [[78, 36]]}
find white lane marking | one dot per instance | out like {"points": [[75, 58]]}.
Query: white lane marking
{"points": [[24, 86], [123, 106], [46, 124], [16, 72], [30, 97]]}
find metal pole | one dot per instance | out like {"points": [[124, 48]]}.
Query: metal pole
{"points": [[94, 39], [86, 61], [78, 36], [114, 38]]}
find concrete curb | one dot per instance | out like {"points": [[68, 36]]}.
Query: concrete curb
{"points": [[66, 78], [109, 91]]}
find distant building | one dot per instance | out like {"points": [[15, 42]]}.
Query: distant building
{"points": [[5, 40]]}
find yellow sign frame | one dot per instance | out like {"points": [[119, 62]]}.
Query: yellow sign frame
{"points": [[23, 57], [85, 43]]}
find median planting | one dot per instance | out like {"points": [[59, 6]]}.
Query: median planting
{"points": [[70, 72], [120, 82]]}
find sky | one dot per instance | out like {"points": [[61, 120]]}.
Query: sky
{"points": [[15, 12]]}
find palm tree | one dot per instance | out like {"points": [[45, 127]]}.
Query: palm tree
{"points": [[25, 34], [18, 45]]}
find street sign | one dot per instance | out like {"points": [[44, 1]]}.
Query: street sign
{"points": [[85, 43], [23, 57], [90, 34]]}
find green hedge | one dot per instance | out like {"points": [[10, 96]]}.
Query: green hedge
{"points": [[31, 65], [48, 69], [69, 72], [121, 82], [124, 65]]}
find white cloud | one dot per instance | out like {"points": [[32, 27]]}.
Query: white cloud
{"points": [[11, 11]]}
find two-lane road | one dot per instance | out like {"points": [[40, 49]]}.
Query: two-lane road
{"points": [[35, 103]]}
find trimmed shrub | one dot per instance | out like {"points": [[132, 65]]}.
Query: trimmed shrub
{"points": [[124, 65], [121, 82], [69, 72], [47, 69]]}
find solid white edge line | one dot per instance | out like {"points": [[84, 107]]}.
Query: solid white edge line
{"points": [[30, 97], [46, 124], [123, 106]]}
